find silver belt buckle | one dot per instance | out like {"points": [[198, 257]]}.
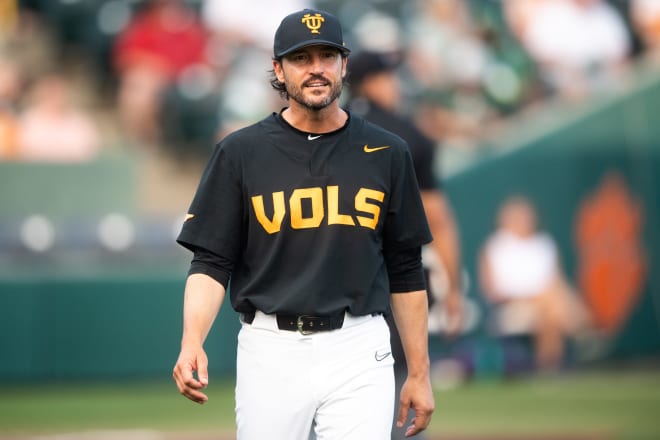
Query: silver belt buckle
{"points": [[300, 323]]}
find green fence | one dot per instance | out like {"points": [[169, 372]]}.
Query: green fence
{"points": [[100, 328]]}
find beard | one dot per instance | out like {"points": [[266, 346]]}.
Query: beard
{"points": [[314, 102]]}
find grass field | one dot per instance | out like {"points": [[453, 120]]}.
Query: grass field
{"points": [[606, 405]]}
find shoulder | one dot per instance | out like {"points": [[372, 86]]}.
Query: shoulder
{"points": [[242, 140], [372, 134], [257, 129]]}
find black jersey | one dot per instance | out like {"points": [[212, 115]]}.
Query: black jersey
{"points": [[307, 218]]}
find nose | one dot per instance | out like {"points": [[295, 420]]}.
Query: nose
{"points": [[317, 64]]}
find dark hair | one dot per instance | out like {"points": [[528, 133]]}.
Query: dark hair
{"points": [[276, 83]]}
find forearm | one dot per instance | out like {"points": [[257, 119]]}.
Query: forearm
{"points": [[446, 243], [410, 312], [202, 299]]}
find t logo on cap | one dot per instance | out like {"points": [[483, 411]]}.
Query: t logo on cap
{"points": [[303, 28], [313, 23]]}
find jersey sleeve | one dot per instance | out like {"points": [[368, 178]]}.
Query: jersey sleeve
{"points": [[405, 270], [406, 226], [214, 220]]}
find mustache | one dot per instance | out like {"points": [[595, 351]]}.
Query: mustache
{"points": [[316, 78]]}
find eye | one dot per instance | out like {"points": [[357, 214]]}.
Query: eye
{"points": [[298, 57]]}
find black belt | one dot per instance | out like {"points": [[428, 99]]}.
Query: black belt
{"points": [[305, 324]]}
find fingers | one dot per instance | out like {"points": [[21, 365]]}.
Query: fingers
{"points": [[203, 372], [402, 416], [418, 424], [185, 380], [417, 396]]}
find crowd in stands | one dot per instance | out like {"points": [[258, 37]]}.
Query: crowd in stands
{"points": [[78, 77]]}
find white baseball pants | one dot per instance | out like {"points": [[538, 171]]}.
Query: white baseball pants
{"points": [[336, 385]]}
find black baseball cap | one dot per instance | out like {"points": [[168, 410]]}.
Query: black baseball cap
{"points": [[305, 28], [366, 63]]}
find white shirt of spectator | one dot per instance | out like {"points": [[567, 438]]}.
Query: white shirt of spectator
{"points": [[564, 33], [521, 267]]}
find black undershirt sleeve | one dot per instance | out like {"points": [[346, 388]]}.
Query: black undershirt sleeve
{"points": [[208, 263], [405, 270]]}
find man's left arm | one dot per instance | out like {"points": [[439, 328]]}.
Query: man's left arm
{"points": [[410, 312]]}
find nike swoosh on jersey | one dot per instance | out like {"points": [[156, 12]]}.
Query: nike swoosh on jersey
{"points": [[311, 138], [188, 217], [371, 150], [381, 356]]}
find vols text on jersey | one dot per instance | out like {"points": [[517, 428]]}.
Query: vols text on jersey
{"points": [[322, 204]]}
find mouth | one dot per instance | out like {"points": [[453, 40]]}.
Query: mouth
{"points": [[316, 83]]}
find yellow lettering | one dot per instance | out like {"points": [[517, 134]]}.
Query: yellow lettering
{"points": [[334, 217], [362, 205], [367, 201], [295, 205], [274, 225]]}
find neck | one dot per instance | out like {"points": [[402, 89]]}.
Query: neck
{"points": [[325, 120]]}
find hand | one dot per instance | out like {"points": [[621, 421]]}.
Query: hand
{"points": [[190, 361], [416, 394]]}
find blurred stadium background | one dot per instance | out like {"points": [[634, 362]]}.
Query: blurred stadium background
{"points": [[109, 109]]}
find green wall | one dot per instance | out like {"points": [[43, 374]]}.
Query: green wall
{"points": [[100, 328], [58, 190]]}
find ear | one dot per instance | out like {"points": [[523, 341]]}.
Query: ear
{"points": [[277, 68], [344, 64]]}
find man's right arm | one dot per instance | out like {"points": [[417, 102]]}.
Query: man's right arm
{"points": [[446, 245], [202, 300]]}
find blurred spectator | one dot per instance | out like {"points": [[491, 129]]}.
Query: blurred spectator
{"points": [[580, 45], [8, 133], [645, 17], [52, 128], [165, 42], [232, 20], [375, 94], [376, 31], [26, 39], [240, 52], [437, 118], [469, 73], [521, 276], [445, 49], [8, 18], [11, 86], [510, 80]]}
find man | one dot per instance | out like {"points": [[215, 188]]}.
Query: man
{"points": [[521, 276], [376, 97], [315, 215]]}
